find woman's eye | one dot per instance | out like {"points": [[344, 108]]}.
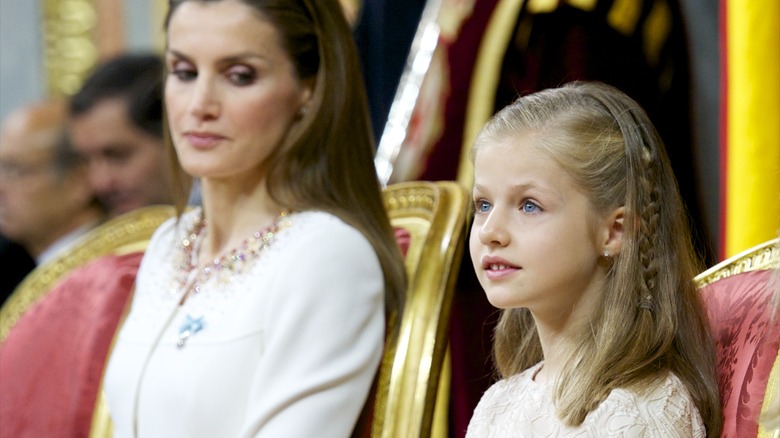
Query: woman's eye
{"points": [[530, 207], [184, 74], [241, 76], [481, 206]]}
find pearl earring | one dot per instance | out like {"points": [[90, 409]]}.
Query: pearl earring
{"points": [[606, 253]]}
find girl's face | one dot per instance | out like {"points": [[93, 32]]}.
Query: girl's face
{"points": [[536, 240], [231, 92]]}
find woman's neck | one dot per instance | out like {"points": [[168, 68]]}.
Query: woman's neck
{"points": [[232, 213]]}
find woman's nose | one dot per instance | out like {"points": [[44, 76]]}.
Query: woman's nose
{"points": [[204, 102]]}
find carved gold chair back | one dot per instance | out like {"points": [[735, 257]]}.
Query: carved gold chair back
{"points": [[412, 395]]}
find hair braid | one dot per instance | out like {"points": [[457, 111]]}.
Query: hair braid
{"points": [[648, 228]]}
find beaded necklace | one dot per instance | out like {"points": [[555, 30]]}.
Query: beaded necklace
{"points": [[237, 261], [190, 279]]}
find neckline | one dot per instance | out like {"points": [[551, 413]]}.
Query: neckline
{"points": [[236, 261]]}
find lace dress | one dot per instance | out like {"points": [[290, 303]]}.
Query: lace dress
{"points": [[520, 407]]}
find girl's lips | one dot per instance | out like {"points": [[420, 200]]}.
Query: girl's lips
{"points": [[496, 268], [496, 272]]}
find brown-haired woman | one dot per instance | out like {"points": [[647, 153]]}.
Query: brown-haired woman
{"points": [[263, 313]]}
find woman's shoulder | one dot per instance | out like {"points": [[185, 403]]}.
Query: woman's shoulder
{"points": [[169, 236], [323, 229], [176, 227]]}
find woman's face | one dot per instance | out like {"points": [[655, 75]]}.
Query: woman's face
{"points": [[231, 93]]}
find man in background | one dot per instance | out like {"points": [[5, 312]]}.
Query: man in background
{"points": [[46, 202], [116, 123]]}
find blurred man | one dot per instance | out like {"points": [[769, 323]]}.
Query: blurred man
{"points": [[45, 199], [116, 123]]}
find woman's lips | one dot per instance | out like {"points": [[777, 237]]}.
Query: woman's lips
{"points": [[203, 140]]}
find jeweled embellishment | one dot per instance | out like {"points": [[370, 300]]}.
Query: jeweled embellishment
{"points": [[237, 261], [190, 326], [190, 279]]}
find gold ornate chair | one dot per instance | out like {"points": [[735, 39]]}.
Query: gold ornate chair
{"points": [[57, 327], [412, 394], [742, 297]]}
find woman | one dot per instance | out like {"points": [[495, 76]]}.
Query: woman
{"points": [[581, 237], [263, 312]]}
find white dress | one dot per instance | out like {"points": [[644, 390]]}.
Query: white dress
{"points": [[520, 407], [288, 347]]}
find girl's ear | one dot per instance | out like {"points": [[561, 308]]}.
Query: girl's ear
{"points": [[613, 240]]}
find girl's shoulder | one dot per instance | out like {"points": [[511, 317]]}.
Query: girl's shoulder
{"points": [[665, 408], [512, 393], [519, 406]]}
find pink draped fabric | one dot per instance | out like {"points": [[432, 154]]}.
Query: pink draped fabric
{"points": [[51, 363], [747, 341]]}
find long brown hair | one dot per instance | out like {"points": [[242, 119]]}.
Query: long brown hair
{"points": [[326, 160], [650, 319]]}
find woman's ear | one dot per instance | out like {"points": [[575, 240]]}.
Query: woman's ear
{"points": [[308, 90], [613, 240], [305, 97]]}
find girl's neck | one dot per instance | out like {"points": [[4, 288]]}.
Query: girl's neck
{"points": [[561, 328], [557, 349], [559, 337]]}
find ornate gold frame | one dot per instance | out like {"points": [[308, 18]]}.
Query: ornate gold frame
{"points": [[70, 49], [413, 395], [77, 34], [763, 256]]}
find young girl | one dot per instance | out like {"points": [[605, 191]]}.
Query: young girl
{"points": [[581, 237]]}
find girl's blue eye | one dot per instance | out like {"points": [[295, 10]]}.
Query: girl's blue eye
{"points": [[529, 207], [482, 206]]}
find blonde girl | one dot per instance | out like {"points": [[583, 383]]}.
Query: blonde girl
{"points": [[580, 235]]}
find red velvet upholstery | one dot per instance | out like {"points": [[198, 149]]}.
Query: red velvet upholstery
{"points": [[51, 363], [747, 341], [403, 238]]}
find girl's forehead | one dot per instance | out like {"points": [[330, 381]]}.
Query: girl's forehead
{"points": [[519, 144]]}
